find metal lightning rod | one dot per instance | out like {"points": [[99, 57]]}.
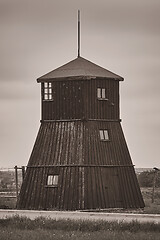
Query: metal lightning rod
{"points": [[78, 33]]}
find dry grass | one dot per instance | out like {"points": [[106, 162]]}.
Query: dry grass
{"points": [[40, 234], [24, 223], [20, 228], [147, 196], [7, 203]]}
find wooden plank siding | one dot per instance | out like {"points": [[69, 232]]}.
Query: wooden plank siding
{"points": [[81, 188], [66, 103], [77, 142], [78, 100], [93, 174], [101, 109]]}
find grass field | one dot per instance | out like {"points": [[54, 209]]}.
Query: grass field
{"points": [[7, 202], [17, 228], [40, 234], [147, 196]]}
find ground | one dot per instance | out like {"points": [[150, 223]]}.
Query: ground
{"points": [[24, 229], [17, 228]]}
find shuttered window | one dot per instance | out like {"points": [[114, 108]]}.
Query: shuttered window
{"points": [[52, 180], [104, 136], [47, 94]]}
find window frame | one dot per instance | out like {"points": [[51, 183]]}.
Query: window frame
{"points": [[104, 135], [47, 91], [52, 180], [101, 94]]}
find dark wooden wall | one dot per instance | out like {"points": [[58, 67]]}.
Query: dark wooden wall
{"points": [[101, 109], [67, 143], [92, 173], [78, 100], [66, 103], [93, 187]]}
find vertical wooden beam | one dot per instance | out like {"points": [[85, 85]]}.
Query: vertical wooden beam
{"points": [[23, 172], [16, 179], [154, 184]]}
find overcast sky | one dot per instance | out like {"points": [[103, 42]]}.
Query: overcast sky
{"points": [[38, 36]]}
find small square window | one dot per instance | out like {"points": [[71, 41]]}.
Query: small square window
{"points": [[101, 134], [47, 92], [104, 136], [50, 97], [45, 97], [101, 93], [45, 85], [52, 180]]}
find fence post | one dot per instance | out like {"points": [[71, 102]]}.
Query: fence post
{"points": [[156, 170], [16, 179], [23, 172]]}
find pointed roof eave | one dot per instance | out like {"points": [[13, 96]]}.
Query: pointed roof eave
{"points": [[79, 68]]}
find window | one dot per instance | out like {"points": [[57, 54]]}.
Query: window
{"points": [[52, 180], [47, 91], [104, 136], [101, 93]]}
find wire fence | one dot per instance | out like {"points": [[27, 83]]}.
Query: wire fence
{"points": [[10, 184]]}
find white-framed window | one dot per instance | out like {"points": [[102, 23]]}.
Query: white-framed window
{"points": [[47, 94], [101, 93], [104, 136], [52, 180]]}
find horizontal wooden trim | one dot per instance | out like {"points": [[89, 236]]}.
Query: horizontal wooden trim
{"points": [[105, 140], [78, 78], [61, 120], [82, 120], [51, 186], [106, 120], [79, 165], [101, 99]]}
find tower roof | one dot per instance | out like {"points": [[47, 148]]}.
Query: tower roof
{"points": [[79, 68]]}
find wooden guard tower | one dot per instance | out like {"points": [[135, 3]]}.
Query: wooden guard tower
{"points": [[80, 159]]}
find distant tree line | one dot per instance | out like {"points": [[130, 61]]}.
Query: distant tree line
{"points": [[145, 179]]}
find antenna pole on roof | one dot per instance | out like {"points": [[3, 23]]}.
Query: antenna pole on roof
{"points": [[78, 33]]}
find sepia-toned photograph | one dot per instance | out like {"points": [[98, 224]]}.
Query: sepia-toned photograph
{"points": [[79, 119]]}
